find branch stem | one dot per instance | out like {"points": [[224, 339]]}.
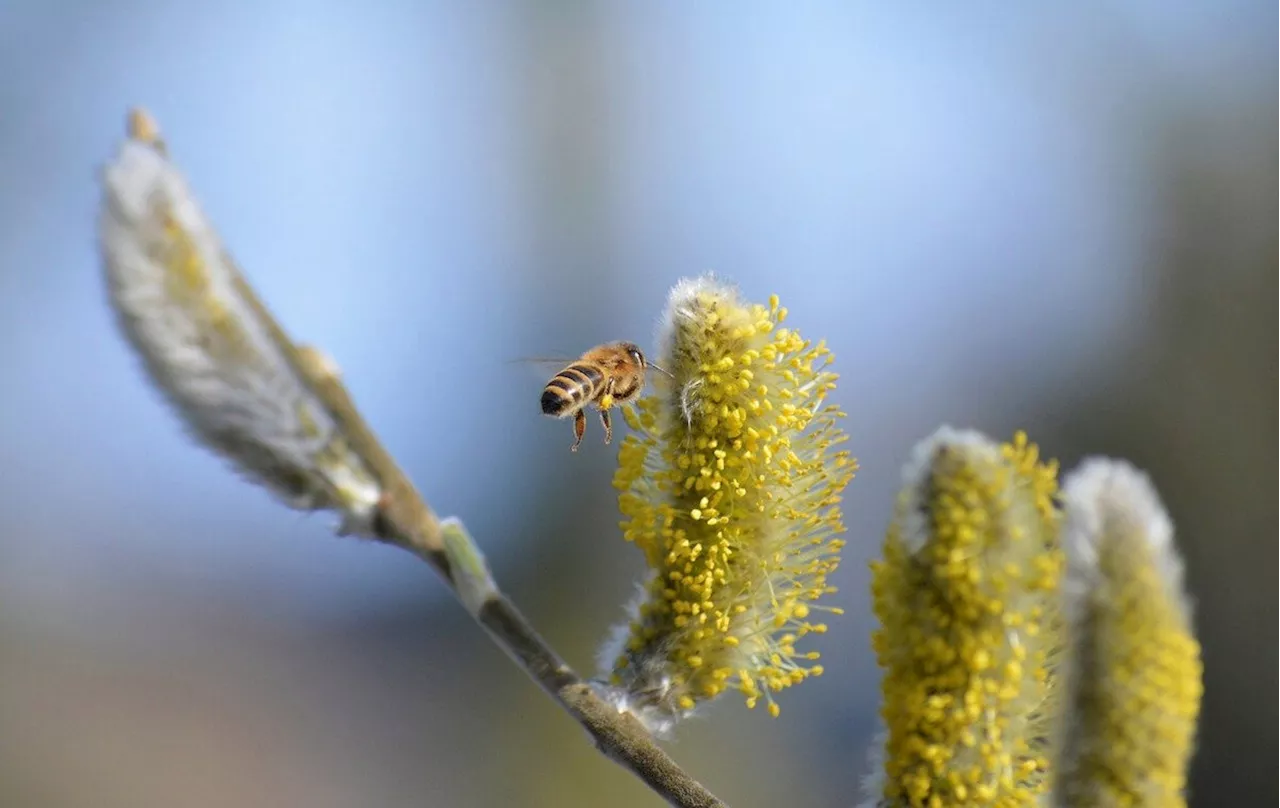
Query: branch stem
{"points": [[406, 521], [400, 516], [618, 735]]}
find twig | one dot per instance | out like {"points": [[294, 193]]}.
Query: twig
{"points": [[408, 522], [247, 390]]}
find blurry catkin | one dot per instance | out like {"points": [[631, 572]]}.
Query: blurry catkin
{"points": [[1132, 683], [730, 484], [240, 385], [966, 595]]}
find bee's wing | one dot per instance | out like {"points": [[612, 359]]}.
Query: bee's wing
{"points": [[542, 367], [552, 363]]}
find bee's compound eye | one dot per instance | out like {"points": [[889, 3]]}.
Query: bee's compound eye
{"points": [[637, 356]]}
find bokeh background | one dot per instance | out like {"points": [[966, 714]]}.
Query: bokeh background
{"points": [[999, 215]]}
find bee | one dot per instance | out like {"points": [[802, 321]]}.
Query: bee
{"points": [[603, 377]]}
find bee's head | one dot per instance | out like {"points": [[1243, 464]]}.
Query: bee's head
{"points": [[634, 352]]}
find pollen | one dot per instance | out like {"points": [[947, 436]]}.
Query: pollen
{"points": [[730, 485], [970, 566]]}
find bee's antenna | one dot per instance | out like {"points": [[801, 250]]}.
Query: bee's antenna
{"points": [[662, 370]]}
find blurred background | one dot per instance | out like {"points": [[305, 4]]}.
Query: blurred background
{"points": [[1000, 216]]}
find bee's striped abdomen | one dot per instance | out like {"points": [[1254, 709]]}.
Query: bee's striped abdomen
{"points": [[571, 388]]}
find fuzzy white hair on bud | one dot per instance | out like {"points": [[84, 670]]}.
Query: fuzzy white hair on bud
{"points": [[208, 344]]}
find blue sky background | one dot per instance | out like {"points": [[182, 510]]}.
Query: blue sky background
{"points": [[979, 207]]}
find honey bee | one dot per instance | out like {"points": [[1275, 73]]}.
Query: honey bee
{"points": [[603, 377]]}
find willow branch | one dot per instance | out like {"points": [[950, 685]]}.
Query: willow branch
{"points": [[406, 521], [280, 413]]}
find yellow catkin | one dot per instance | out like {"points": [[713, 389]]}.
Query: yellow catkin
{"points": [[1134, 671], [730, 484], [966, 598]]}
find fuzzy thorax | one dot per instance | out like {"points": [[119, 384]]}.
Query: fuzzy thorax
{"points": [[966, 596], [730, 484], [1133, 672]]}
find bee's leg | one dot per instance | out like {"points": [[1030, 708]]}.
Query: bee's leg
{"points": [[606, 399], [608, 426], [579, 428]]}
